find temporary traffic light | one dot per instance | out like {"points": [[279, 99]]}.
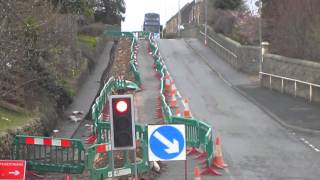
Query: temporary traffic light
{"points": [[122, 122]]}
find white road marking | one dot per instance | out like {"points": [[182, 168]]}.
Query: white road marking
{"points": [[309, 144]]}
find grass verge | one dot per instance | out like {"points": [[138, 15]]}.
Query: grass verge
{"points": [[10, 119]]}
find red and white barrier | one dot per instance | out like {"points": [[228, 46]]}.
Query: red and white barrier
{"points": [[48, 142]]}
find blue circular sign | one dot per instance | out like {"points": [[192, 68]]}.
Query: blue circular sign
{"points": [[166, 142]]}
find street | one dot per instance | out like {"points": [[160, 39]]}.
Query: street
{"points": [[254, 145]]}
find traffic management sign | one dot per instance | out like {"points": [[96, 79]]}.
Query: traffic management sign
{"points": [[166, 142], [12, 169]]}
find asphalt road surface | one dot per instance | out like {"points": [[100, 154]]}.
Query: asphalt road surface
{"points": [[254, 145]]}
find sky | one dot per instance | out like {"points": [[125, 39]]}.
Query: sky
{"points": [[135, 10]]}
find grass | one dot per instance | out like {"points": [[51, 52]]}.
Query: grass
{"points": [[90, 41], [10, 119]]}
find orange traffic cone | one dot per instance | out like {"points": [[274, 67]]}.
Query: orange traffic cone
{"points": [[210, 171], [197, 173], [192, 151], [201, 156], [158, 113], [178, 112], [218, 159], [187, 112], [173, 87], [167, 83], [173, 103]]}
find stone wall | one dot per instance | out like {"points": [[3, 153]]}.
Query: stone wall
{"points": [[298, 69], [189, 31], [247, 59], [242, 58]]}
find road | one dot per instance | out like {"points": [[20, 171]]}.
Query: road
{"points": [[254, 145]]}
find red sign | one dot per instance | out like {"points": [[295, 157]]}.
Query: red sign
{"points": [[12, 169]]}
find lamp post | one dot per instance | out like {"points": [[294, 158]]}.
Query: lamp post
{"points": [[206, 21], [260, 39]]}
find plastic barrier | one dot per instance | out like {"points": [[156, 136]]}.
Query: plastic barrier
{"points": [[198, 133], [137, 34], [133, 62], [102, 128], [98, 161], [102, 152], [50, 154]]}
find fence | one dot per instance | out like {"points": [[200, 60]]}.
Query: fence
{"points": [[104, 170], [311, 85], [102, 129], [50, 154], [198, 133], [245, 58]]}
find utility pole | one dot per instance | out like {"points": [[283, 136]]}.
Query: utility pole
{"points": [[179, 19], [206, 21], [260, 39]]}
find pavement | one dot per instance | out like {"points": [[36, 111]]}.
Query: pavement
{"points": [[146, 99], [86, 95], [294, 113], [254, 145]]}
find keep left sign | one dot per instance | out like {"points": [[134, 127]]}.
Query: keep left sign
{"points": [[12, 169]]}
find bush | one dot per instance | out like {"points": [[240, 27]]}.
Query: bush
{"points": [[90, 41], [224, 21]]}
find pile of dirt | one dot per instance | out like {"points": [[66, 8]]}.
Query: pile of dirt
{"points": [[121, 67]]}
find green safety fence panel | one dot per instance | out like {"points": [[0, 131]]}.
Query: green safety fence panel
{"points": [[132, 64], [198, 133], [192, 130], [102, 99], [103, 150], [208, 147], [46, 154], [98, 161], [136, 73], [119, 33], [138, 34]]}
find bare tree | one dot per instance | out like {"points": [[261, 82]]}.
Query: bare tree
{"points": [[38, 48], [292, 27]]}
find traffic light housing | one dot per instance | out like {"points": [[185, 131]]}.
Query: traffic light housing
{"points": [[122, 122]]}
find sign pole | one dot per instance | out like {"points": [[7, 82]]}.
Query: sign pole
{"points": [[112, 164], [135, 164], [185, 170]]}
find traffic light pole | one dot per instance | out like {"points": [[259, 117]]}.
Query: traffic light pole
{"points": [[135, 164], [122, 120], [112, 163]]}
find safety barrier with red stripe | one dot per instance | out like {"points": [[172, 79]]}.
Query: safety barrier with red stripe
{"points": [[48, 141], [49, 154]]}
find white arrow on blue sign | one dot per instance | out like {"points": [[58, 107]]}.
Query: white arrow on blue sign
{"points": [[166, 142]]}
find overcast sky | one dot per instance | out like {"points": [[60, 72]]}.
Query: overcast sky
{"points": [[135, 10]]}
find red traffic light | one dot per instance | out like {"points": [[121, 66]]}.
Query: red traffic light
{"points": [[122, 106]]}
